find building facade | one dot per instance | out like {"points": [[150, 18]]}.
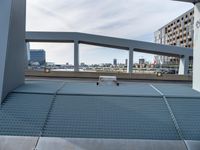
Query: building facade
{"points": [[178, 32], [114, 62], [126, 62], [141, 61], [38, 55]]}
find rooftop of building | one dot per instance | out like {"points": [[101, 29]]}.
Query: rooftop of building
{"points": [[79, 109]]}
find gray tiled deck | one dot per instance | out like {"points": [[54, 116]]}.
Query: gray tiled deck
{"points": [[83, 110], [24, 114], [110, 117], [187, 113], [44, 87], [126, 89], [177, 90]]}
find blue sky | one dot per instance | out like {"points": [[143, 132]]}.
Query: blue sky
{"points": [[132, 19]]}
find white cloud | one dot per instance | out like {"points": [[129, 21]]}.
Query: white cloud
{"points": [[134, 19]]}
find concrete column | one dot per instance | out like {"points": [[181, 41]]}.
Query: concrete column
{"points": [[76, 56], [12, 45], [28, 51], [184, 65], [196, 55], [27, 56], [130, 63]]}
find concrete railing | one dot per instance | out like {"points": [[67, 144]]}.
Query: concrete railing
{"points": [[95, 75]]}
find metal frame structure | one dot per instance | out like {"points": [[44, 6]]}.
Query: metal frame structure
{"points": [[13, 47]]}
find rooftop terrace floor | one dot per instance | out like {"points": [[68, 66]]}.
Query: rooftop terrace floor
{"points": [[81, 109]]}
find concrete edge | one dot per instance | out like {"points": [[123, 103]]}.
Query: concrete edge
{"points": [[121, 76]]}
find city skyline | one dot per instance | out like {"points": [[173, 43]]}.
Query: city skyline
{"points": [[116, 19]]}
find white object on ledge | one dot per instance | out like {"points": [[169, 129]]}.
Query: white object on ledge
{"points": [[108, 79]]}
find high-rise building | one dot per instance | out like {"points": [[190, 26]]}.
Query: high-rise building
{"points": [[114, 62], [178, 32], [38, 55], [28, 51], [126, 62], [141, 61]]}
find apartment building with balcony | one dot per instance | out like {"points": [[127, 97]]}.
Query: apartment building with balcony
{"points": [[178, 32]]}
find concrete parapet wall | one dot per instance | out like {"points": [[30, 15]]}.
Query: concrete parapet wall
{"points": [[95, 75]]}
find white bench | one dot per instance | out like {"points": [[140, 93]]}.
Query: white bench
{"points": [[108, 78]]}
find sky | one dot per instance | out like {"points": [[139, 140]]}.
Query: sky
{"points": [[130, 19]]}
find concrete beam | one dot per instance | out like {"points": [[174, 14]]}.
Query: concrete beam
{"points": [[76, 56], [183, 65], [130, 61], [12, 45], [111, 42], [196, 58]]}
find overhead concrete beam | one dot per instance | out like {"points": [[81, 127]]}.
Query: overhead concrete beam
{"points": [[110, 42], [12, 45]]}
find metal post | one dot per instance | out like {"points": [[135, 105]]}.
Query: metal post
{"points": [[130, 64], [76, 56], [28, 57]]}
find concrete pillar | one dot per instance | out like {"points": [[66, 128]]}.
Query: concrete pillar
{"points": [[76, 56], [130, 63], [28, 51], [196, 55], [12, 45], [27, 56], [184, 65]]}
